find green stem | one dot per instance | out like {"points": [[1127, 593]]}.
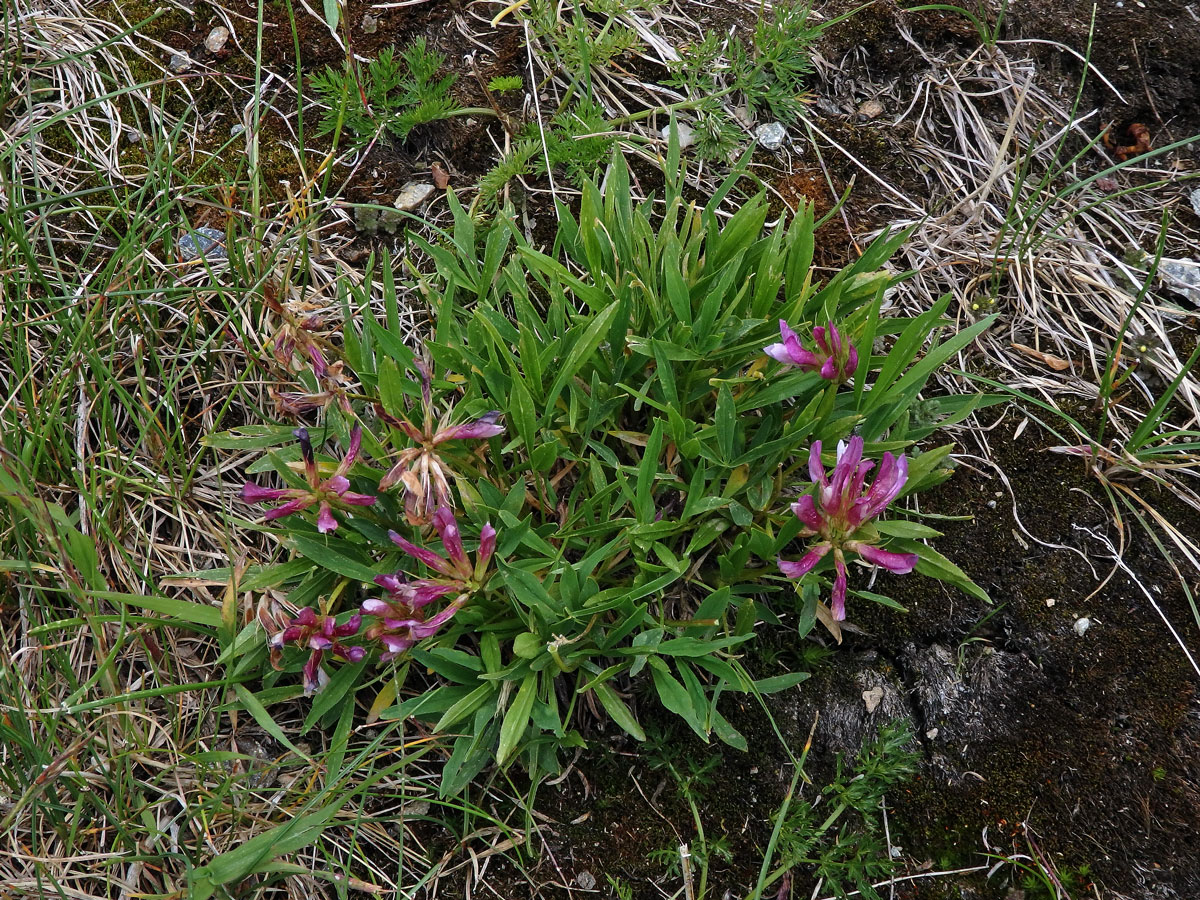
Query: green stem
{"points": [[670, 108]]}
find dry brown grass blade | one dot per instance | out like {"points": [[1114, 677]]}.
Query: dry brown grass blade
{"points": [[1010, 231]]}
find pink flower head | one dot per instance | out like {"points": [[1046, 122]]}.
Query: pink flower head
{"points": [[318, 634], [834, 358], [402, 616], [840, 512], [401, 620], [455, 565], [422, 469], [325, 493]]}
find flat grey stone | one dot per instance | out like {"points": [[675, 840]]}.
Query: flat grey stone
{"points": [[1182, 276], [207, 242], [413, 194]]}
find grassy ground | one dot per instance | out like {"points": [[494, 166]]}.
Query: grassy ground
{"points": [[134, 762]]}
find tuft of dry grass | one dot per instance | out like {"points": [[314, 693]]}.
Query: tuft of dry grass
{"points": [[1029, 217], [1026, 215]]}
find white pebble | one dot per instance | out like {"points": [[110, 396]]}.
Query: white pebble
{"points": [[413, 194], [1082, 625], [687, 137], [771, 135], [215, 42]]}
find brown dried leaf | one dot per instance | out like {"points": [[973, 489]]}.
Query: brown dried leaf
{"points": [[1141, 142], [873, 698], [825, 617], [1057, 363], [441, 177]]}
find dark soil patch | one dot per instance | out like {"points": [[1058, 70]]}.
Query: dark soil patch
{"points": [[1079, 750], [1149, 50], [1090, 740]]}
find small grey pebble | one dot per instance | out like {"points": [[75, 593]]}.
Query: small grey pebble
{"points": [[771, 135], [370, 23], [586, 881], [179, 62], [1195, 198], [1082, 625], [208, 242], [237, 129]]}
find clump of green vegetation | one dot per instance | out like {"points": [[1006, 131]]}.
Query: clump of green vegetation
{"points": [[662, 443], [577, 140], [839, 837], [502, 84], [394, 93], [580, 42], [768, 72], [764, 72]]}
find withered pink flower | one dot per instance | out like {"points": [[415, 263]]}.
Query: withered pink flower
{"points": [[421, 469], [401, 617], [840, 513], [295, 332], [318, 633], [332, 384], [326, 493], [834, 359]]}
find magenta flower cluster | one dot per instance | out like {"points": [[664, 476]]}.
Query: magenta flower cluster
{"points": [[320, 634], [326, 493], [401, 621], [833, 358], [402, 617], [840, 512]]}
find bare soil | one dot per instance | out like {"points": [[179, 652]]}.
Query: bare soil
{"points": [[1079, 750]]}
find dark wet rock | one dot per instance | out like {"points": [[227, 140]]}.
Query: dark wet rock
{"points": [[853, 700], [179, 62]]}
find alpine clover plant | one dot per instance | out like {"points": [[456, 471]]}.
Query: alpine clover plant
{"points": [[624, 480], [840, 513]]}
